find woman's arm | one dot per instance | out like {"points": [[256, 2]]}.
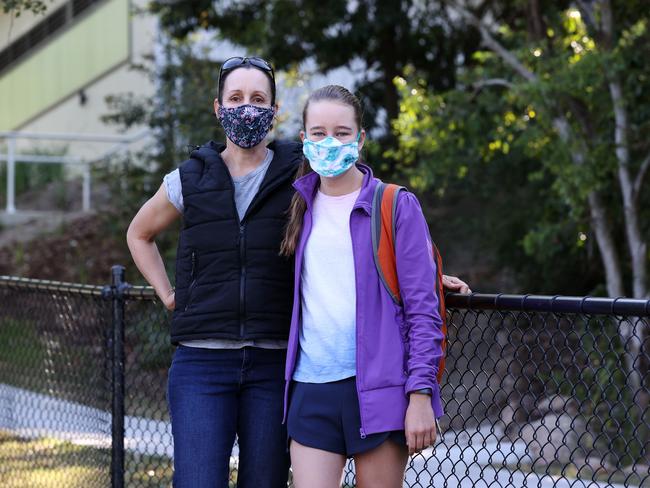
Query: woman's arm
{"points": [[153, 217]]}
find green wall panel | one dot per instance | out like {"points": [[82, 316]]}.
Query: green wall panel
{"points": [[68, 62]]}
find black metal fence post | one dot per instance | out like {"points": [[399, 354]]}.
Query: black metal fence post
{"points": [[118, 286]]}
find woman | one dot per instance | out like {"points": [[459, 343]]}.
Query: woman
{"points": [[232, 298], [233, 294], [361, 369]]}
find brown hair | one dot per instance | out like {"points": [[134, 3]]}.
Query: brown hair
{"points": [[298, 205]]}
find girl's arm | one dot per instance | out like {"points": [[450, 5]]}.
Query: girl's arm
{"points": [[153, 217], [416, 271]]}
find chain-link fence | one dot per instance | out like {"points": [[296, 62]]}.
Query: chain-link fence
{"points": [[539, 391], [55, 395]]}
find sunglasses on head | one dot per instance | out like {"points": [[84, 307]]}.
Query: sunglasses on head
{"points": [[236, 61]]}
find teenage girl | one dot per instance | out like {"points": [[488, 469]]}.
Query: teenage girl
{"points": [[361, 370]]}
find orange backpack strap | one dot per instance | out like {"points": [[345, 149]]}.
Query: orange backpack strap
{"points": [[384, 220], [384, 204]]}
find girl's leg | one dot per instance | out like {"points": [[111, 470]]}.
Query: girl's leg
{"points": [[315, 468], [381, 467]]}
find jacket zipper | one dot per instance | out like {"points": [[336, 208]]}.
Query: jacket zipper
{"points": [[362, 432], [261, 193], [193, 282], [242, 253], [242, 277]]}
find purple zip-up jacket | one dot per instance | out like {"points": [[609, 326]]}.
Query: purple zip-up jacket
{"points": [[398, 347]]}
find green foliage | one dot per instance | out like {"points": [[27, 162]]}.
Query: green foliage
{"points": [[20, 348], [493, 123], [464, 124], [181, 116], [29, 360], [135, 183], [180, 113], [378, 38], [17, 7]]}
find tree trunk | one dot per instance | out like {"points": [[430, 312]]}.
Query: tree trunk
{"points": [[636, 244], [598, 217], [633, 329]]}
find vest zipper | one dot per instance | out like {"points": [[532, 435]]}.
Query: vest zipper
{"points": [[242, 277], [193, 282]]}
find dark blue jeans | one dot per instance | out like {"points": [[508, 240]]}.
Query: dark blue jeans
{"points": [[215, 394]]}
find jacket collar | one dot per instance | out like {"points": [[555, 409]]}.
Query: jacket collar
{"points": [[308, 185]]}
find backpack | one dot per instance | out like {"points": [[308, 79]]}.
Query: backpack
{"points": [[384, 203]]}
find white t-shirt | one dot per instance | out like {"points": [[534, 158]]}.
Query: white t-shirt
{"points": [[328, 294]]}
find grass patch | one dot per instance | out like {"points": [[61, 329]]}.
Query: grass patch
{"points": [[52, 364], [53, 463], [20, 347]]}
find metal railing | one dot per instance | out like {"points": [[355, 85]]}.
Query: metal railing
{"points": [[12, 156], [539, 391]]}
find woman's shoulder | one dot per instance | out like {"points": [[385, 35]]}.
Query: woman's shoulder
{"points": [[199, 156]]}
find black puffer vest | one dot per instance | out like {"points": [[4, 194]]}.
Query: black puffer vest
{"points": [[231, 282]]}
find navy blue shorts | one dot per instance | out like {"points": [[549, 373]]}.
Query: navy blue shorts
{"points": [[326, 416]]}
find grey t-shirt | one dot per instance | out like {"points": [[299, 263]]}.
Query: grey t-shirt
{"points": [[246, 187]]}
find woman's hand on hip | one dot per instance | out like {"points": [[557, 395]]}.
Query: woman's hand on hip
{"points": [[420, 423], [169, 301]]}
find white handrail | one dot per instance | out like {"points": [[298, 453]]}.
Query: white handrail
{"points": [[120, 142], [41, 159], [68, 136], [11, 176]]}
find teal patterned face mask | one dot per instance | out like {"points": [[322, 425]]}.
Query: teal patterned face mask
{"points": [[330, 157]]}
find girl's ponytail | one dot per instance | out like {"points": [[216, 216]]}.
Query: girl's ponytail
{"points": [[296, 212]]}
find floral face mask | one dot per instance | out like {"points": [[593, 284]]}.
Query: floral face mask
{"points": [[246, 125]]}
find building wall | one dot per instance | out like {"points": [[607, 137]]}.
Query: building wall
{"points": [[61, 86]]}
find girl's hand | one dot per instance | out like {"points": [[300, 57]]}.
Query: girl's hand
{"points": [[420, 424], [454, 283], [169, 301]]}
